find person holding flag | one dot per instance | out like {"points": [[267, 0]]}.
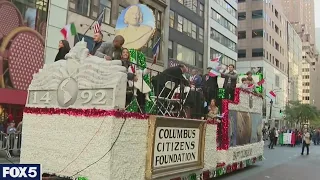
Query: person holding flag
{"points": [[210, 86], [98, 36], [230, 81]]}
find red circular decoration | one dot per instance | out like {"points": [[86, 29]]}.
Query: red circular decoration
{"points": [[10, 17], [26, 56], [85, 112]]}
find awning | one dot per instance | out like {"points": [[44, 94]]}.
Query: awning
{"points": [[13, 96]]}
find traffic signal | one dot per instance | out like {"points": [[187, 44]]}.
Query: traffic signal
{"points": [[280, 112]]}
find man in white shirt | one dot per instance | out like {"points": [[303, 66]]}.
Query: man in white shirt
{"points": [[276, 137], [306, 141]]}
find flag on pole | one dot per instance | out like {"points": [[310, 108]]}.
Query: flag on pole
{"points": [[68, 30], [272, 94], [155, 51], [217, 59], [215, 63], [251, 86], [214, 73], [97, 26], [262, 81]]}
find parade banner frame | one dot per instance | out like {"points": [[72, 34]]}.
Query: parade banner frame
{"points": [[169, 122]]}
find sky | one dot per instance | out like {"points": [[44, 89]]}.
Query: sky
{"points": [[317, 12]]}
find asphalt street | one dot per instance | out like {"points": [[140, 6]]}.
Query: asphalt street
{"points": [[282, 163]]}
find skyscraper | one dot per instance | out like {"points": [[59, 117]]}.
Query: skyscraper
{"points": [[262, 43], [300, 14], [222, 28]]}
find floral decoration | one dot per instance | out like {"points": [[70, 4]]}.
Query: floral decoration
{"points": [[86, 112], [224, 143]]}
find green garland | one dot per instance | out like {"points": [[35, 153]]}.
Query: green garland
{"points": [[139, 58]]}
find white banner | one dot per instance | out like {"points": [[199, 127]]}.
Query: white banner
{"points": [[174, 146]]}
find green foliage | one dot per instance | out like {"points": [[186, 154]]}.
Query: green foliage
{"points": [[296, 112]]}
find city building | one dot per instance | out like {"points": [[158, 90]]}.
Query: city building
{"points": [[83, 13], [262, 43], [295, 70], [222, 28], [186, 33], [300, 13]]}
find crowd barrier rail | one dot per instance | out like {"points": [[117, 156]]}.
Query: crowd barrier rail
{"points": [[10, 143]]}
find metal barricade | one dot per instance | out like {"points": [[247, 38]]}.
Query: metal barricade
{"points": [[10, 143]]}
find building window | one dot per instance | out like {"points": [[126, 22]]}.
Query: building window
{"points": [[186, 55], [200, 38], [201, 9], [83, 7], [277, 80], [187, 27], [200, 61], [222, 39], [147, 50], [306, 91], [241, 16], [305, 77], [305, 98], [305, 84], [107, 13], [305, 70], [194, 5], [242, 35], [170, 50], [242, 53], [193, 31], [171, 23], [257, 14], [121, 8], [277, 62], [180, 22], [257, 33], [223, 21], [276, 45], [257, 52], [227, 7]]}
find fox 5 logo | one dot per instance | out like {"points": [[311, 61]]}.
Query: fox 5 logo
{"points": [[20, 171]]}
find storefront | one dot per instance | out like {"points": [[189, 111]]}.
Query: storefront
{"points": [[22, 36]]}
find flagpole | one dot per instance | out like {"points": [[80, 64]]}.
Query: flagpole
{"points": [[94, 21], [78, 37], [153, 48]]}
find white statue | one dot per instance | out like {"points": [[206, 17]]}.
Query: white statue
{"points": [[69, 81]]}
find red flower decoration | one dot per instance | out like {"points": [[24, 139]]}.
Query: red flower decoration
{"points": [[219, 165], [229, 169], [224, 136], [234, 166], [86, 112], [241, 164], [206, 175], [178, 178]]}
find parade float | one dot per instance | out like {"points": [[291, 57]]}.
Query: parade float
{"points": [[76, 126]]}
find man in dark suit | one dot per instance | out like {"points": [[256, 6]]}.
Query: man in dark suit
{"points": [[174, 74], [210, 87], [111, 51], [195, 79], [230, 81], [97, 38]]}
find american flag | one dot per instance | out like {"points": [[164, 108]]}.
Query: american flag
{"points": [[155, 51], [97, 26]]}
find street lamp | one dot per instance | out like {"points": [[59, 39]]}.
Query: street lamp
{"points": [[271, 101]]}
